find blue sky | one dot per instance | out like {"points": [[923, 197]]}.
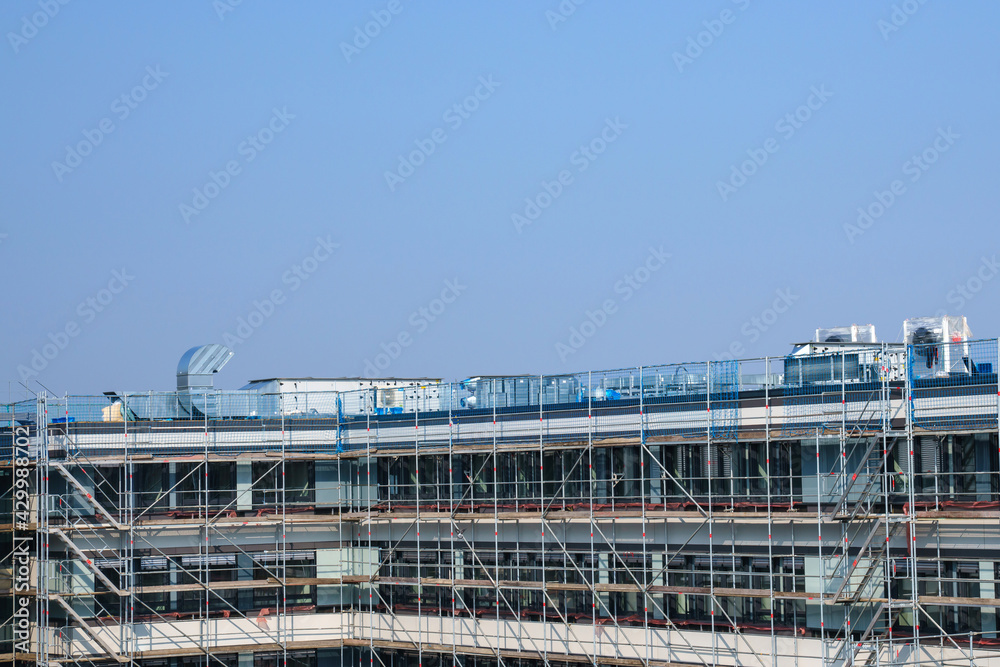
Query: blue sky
{"points": [[621, 184]]}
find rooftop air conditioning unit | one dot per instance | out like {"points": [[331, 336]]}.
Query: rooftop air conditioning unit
{"points": [[940, 345], [856, 333]]}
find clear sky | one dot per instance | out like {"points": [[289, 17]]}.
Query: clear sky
{"points": [[488, 187]]}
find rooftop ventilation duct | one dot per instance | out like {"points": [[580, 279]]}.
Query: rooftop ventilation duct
{"points": [[194, 376]]}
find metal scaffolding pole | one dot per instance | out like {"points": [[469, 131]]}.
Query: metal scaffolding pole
{"points": [[203, 545], [710, 455], [496, 514], [416, 496], [594, 567], [541, 490], [642, 491], [911, 503], [451, 540], [283, 620], [370, 503], [770, 515]]}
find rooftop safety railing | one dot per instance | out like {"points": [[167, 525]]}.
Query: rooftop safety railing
{"points": [[951, 385]]}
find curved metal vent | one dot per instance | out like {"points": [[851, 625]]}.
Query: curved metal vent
{"points": [[194, 375], [197, 365]]}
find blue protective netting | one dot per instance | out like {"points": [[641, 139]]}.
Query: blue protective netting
{"points": [[953, 385], [796, 397], [724, 400]]}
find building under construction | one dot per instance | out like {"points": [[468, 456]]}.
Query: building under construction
{"points": [[839, 505]]}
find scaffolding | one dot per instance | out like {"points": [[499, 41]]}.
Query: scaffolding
{"points": [[834, 509]]}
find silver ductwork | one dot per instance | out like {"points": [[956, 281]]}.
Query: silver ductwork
{"points": [[195, 381]]}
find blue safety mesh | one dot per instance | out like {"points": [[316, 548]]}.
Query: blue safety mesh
{"points": [[954, 384], [676, 400], [22, 414], [796, 393], [724, 401], [821, 390]]}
